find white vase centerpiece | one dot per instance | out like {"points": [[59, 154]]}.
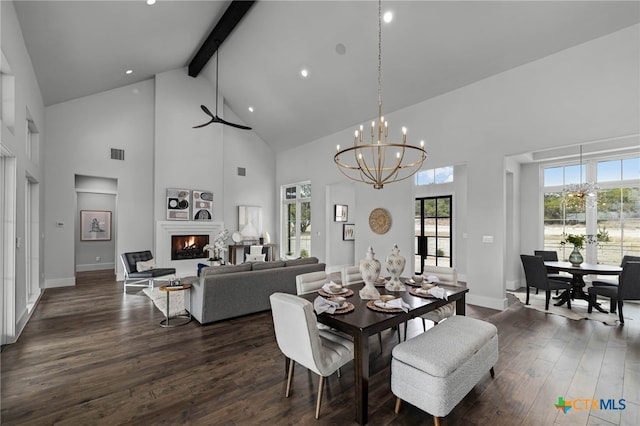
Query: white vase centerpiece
{"points": [[395, 265], [370, 270]]}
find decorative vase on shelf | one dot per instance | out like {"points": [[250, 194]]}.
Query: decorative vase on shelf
{"points": [[395, 265], [370, 270], [575, 257]]}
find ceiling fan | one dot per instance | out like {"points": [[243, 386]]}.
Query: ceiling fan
{"points": [[214, 117]]}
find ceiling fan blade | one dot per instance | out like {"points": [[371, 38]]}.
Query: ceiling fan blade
{"points": [[206, 111], [205, 124], [238, 126]]}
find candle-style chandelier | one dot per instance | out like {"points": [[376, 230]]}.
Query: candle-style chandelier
{"points": [[379, 162]]}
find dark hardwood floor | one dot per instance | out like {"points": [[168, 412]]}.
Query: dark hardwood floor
{"points": [[91, 355]]}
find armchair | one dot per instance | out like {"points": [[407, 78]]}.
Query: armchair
{"points": [[135, 278]]}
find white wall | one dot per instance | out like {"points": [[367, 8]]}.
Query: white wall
{"points": [[27, 97], [152, 121], [80, 135], [339, 253], [243, 148], [185, 157], [588, 92]]}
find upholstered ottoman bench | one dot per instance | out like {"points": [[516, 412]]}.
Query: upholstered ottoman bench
{"points": [[436, 369]]}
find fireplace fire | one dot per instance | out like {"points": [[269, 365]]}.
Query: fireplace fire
{"points": [[189, 247]]}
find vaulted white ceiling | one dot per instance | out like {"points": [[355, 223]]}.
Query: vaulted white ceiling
{"points": [[79, 48]]}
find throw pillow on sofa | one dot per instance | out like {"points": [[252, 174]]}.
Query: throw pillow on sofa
{"points": [[255, 257]]}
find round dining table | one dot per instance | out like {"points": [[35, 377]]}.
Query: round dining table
{"points": [[577, 283]]}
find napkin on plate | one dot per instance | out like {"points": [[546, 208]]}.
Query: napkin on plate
{"points": [[320, 305], [327, 288], [438, 292], [432, 279], [396, 303]]}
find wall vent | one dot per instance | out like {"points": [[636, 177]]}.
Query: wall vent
{"points": [[117, 154], [242, 171]]}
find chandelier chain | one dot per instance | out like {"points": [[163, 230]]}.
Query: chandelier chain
{"points": [[379, 53]]}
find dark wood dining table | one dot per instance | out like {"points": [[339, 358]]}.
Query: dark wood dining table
{"points": [[364, 322], [578, 272]]}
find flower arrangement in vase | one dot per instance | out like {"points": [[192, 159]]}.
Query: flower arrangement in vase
{"points": [[216, 251], [578, 242]]}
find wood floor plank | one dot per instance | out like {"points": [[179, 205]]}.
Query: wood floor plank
{"points": [[93, 355]]}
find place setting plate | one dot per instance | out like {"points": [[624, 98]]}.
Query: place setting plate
{"points": [[371, 304], [414, 292], [346, 292], [346, 309]]}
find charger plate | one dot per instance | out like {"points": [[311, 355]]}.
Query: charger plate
{"points": [[350, 307], [348, 293], [414, 291], [371, 304]]}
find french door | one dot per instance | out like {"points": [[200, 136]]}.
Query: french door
{"points": [[433, 232]]}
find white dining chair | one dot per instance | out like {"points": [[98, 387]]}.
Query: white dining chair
{"points": [[351, 275], [446, 275], [310, 282], [300, 340]]}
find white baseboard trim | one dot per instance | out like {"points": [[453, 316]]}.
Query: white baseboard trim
{"points": [[60, 282], [487, 302], [24, 319], [512, 285], [95, 267]]}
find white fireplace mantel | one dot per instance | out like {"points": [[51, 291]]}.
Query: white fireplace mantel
{"points": [[165, 229]]}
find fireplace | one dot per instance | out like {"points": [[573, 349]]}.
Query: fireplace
{"points": [[165, 229], [189, 247]]}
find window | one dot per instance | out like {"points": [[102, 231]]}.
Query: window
{"points": [[618, 209], [435, 176], [296, 220], [433, 231], [613, 224]]}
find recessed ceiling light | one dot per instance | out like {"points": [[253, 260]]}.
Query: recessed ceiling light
{"points": [[128, 72], [304, 72], [151, 2], [341, 49], [250, 109], [388, 16]]}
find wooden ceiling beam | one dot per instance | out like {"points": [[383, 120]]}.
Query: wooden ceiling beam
{"points": [[230, 19]]}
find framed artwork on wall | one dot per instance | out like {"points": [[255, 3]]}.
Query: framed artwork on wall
{"points": [[341, 213], [348, 232], [250, 222], [202, 205], [95, 225], [178, 204]]}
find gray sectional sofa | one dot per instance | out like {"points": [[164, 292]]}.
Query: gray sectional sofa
{"points": [[223, 292]]}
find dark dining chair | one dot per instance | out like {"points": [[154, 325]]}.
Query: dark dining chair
{"points": [[552, 256], [614, 281], [628, 288], [608, 282], [535, 273]]}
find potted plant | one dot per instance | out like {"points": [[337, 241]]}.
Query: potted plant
{"points": [[578, 242]]}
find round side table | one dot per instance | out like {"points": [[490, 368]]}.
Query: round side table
{"points": [[175, 320]]}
